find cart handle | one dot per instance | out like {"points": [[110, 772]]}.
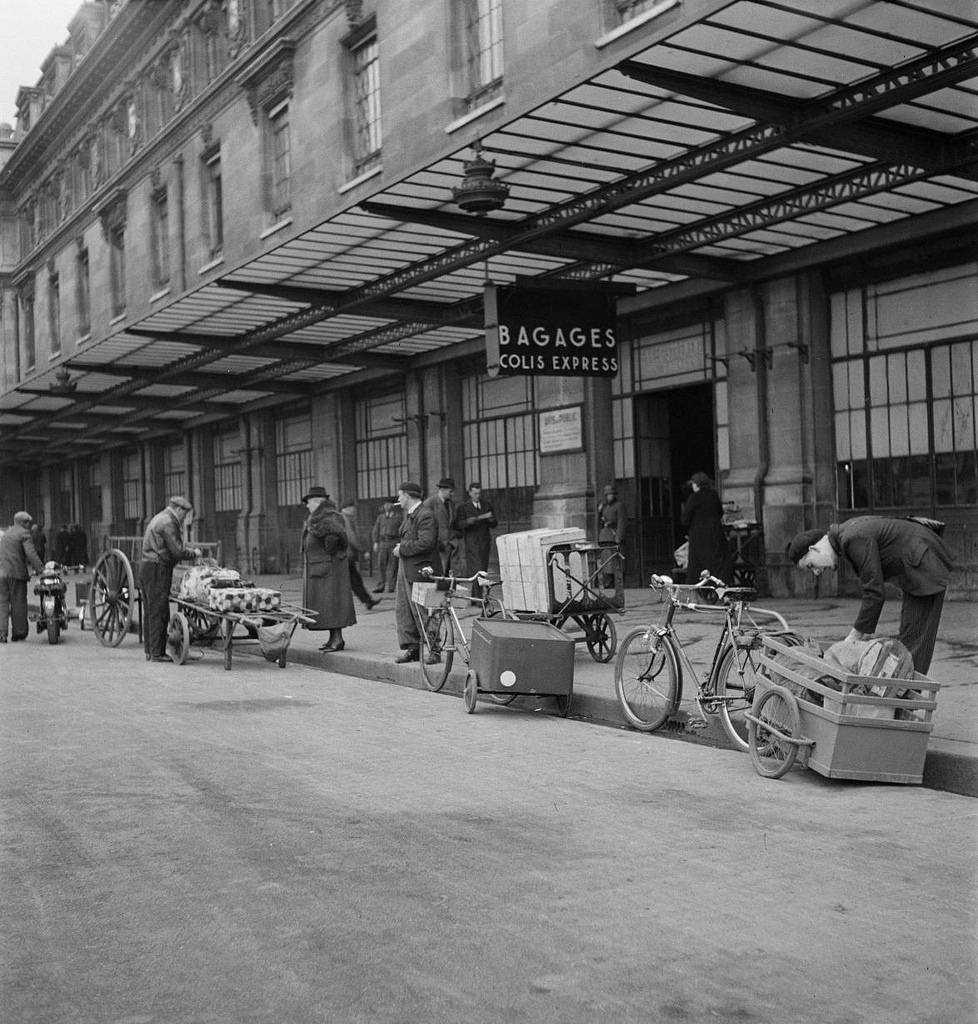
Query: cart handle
{"points": [[798, 741]]}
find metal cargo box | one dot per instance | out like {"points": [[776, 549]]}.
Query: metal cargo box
{"points": [[521, 657]]}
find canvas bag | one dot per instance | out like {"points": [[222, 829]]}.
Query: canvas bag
{"points": [[878, 657]]}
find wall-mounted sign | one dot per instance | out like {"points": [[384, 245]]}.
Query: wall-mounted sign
{"points": [[558, 332], [561, 430]]}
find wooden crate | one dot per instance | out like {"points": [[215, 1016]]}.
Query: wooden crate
{"points": [[875, 738], [523, 566], [575, 577]]}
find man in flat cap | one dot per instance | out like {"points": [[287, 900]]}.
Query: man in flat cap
{"points": [[163, 547], [879, 549], [443, 508], [17, 557], [417, 549]]}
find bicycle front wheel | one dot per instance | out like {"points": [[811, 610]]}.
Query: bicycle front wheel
{"points": [[437, 648], [648, 679], [733, 686]]}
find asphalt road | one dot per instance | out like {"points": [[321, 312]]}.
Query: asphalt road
{"points": [[189, 845]]}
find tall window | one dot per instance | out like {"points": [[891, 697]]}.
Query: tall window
{"points": [[293, 458], [366, 101], [280, 159], [117, 269], [175, 469], [27, 329], [227, 471], [499, 442], [160, 238], [905, 365], [54, 311], [213, 202], [484, 48], [381, 445], [83, 293], [132, 490]]}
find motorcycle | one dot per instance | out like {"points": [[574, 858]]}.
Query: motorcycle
{"points": [[50, 588]]}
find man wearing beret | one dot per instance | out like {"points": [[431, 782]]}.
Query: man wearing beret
{"points": [[162, 549], [17, 557], [443, 509], [879, 549], [417, 549]]}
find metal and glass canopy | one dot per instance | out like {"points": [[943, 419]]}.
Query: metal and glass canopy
{"points": [[766, 137]]}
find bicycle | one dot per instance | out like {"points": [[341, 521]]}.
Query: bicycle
{"points": [[651, 661], [441, 633]]}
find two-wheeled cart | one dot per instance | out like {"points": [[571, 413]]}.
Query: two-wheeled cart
{"points": [[271, 630], [842, 726], [584, 588]]}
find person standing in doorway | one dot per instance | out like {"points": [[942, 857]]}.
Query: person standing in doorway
{"points": [[475, 521], [703, 522], [326, 582], [385, 535], [443, 509], [17, 558], [416, 549], [162, 548], [611, 524], [354, 550]]}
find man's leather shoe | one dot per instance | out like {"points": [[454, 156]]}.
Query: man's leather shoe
{"points": [[405, 656], [432, 659], [161, 657], [378, 590], [371, 604]]}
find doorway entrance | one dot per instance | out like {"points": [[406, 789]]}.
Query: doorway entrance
{"points": [[674, 438]]}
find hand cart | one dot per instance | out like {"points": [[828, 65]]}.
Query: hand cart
{"points": [[577, 596], [842, 726], [272, 630]]}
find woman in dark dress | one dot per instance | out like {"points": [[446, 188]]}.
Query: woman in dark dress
{"points": [[703, 522]]}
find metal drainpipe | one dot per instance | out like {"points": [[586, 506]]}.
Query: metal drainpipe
{"points": [[763, 439]]}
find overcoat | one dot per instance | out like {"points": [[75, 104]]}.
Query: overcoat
{"points": [[418, 545], [326, 588], [476, 533], [894, 550], [17, 554], [708, 546]]}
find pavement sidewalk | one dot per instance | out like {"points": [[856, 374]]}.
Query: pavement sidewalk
{"points": [[952, 754]]}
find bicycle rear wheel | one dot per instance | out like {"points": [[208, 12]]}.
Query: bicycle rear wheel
{"points": [[771, 734], [437, 648], [733, 685], [648, 679]]}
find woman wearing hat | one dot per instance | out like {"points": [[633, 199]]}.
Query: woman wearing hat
{"points": [[326, 577], [703, 521]]}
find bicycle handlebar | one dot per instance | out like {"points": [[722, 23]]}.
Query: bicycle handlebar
{"points": [[706, 582], [481, 578]]}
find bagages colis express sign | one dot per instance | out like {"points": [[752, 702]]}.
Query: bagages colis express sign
{"points": [[555, 332]]}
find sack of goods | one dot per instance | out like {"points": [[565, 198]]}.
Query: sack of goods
{"points": [[199, 580], [878, 658]]}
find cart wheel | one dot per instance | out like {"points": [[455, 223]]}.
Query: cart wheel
{"points": [[204, 628], [178, 638], [226, 636], [501, 698], [471, 692], [773, 731], [112, 597], [564, 701], [602, 637]]}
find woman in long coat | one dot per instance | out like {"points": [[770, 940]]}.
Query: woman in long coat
{"points": [[326, 582], [703, 522]]}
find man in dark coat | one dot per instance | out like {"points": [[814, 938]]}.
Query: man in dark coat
{"points": [[443, 509], [880, 550], [475, 520], [417, 549], [326, 589], [611, 524], [386, 533], [162, 549], [17, 558]]}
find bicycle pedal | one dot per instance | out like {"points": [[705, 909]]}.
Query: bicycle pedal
{"points": [[695, 724]]}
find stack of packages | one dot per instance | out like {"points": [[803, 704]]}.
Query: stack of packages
{"points": [[223, 590]]}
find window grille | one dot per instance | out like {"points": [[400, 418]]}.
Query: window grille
{"points": [[381, 447], [175, 469], [132, 490], [293, 458], [227, 472]]}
